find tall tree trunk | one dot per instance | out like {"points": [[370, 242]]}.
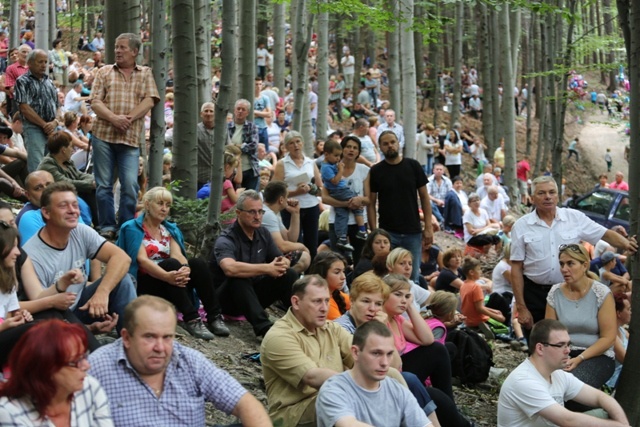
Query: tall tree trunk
{"points": [[608, 31], [301, 42], [247, 70], [53, 24], [120, 16], [202, 18], [418, 44], [486, 71], [515, 22], [533, 21], [434, 56], [599, 25], [159, 68], [555, 138], [508, 111], [323, 71], [185, 160], [223, 105], [278, 46], [393, 71], [262, 21], [14, 28], [42, 25], [408, 61], [235, 33], [457, 62], [627, 389], [592, 23], [496, 38]]}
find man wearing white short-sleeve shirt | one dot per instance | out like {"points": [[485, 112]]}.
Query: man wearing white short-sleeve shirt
{"points": [[535, 240], [533, 395]]}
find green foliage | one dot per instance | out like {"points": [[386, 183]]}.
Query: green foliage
{"points": [[191, 215]]}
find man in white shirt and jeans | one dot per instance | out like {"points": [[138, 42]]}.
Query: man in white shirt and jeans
{"points": [[533, 395]]}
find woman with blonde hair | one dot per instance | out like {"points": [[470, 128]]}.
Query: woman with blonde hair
{"points": [[159, 262], [586, 307]]}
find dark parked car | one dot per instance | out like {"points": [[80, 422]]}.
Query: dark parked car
{"points": [[605, 206]]}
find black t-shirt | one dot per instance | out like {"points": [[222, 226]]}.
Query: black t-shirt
{"points": [[397, 187], [446, 276]]}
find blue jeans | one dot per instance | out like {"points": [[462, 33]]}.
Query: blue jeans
{"points": [[120, 296], [341, 222], [36, 144], [413, 243], [106, 157]]}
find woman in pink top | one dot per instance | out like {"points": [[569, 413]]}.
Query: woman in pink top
{"points": [[430, 359]]}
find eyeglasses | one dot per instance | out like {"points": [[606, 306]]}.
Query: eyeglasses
{"points": [[561, 345], [78, 361], [571, 247], [253, 212]]}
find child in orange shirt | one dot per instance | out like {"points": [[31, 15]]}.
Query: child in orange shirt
{"points": [[472, 300]]}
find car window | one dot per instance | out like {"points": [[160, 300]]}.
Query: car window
{"points": [[623, 210], [597, 203]]}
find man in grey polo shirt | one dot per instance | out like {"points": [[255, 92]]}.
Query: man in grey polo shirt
{"points": [[205, 142]]}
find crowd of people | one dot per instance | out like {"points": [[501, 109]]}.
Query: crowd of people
{"points": [[342, 241]]}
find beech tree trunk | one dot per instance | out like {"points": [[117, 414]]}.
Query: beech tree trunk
{"points": [[185, 160], [627, 389], [457, 62], [323, 71], [159, 68], [247, 71], [14, 19], [120, 16], [223, 105], [486, 71], [202, 18], [393, 71], [278, 46], [42, 25], [508, 110], [408, 65]]}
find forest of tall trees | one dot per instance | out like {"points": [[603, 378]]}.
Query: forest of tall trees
{"points": [[424, 47]]}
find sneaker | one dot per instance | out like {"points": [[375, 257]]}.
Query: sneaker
{"points": [[344, 245], [362, 235], [198, 330], [218, 327]]}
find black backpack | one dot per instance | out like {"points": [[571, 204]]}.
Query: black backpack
{"points": [[474, 357]]}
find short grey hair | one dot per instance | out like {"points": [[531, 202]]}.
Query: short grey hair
{"points": [[247, 194], [134, 40], [543, 180], [473, 197], [291, 135], [207, 104], [35, 52], [243, 101]]}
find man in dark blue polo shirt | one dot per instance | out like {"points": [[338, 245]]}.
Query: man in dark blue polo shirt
{"points": [[253, 272]]}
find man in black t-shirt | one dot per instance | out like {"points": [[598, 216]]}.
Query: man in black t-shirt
{"points": [[395, 181]]}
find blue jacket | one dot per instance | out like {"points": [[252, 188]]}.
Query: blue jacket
{"points": [[130, 239]]}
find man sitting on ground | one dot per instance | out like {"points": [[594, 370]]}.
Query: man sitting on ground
{"points": [[535, 392], [253, 272], [275, 201], [151, 379], [63, 244], [364, 395]]}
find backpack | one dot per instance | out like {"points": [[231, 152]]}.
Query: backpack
{"points": [[474, 357]]}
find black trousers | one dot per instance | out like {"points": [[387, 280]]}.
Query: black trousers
{"points": [[249, 297], [182, 297], [430, 361], [535, 298]]}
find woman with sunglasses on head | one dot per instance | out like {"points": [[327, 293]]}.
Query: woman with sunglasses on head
{"points": [[586, 307], [49, 385]]}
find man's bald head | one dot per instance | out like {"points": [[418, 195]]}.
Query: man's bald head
{"points": [[35, 183]]}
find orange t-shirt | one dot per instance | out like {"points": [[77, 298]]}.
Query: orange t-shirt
{"points": [[470, 293], [334, 311]]}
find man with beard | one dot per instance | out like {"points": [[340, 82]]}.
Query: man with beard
{"points": [[396, 180]]}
